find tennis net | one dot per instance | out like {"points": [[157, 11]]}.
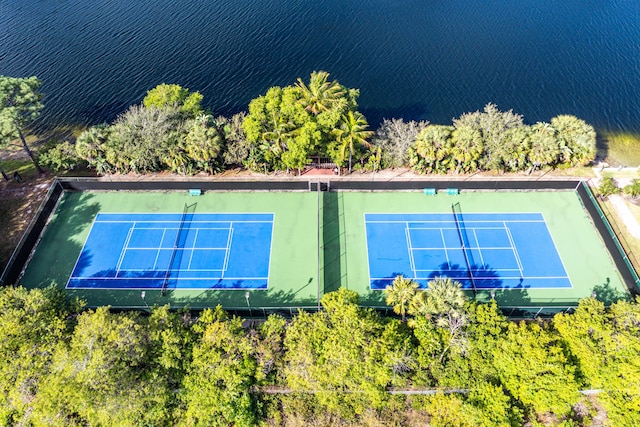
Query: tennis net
{"points": [[464, 241], [176, 246]]}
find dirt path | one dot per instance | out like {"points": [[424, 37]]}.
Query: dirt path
{"points": [[618, 202], [18, 204], [626, 215]]}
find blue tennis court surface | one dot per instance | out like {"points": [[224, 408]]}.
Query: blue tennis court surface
{"points": [[176, 251], [485, 251]]}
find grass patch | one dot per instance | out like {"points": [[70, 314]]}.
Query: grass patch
{"points": [[625, 173], [630, 244], [620, 148], [635, 210], [24, 167], [578, 171]]}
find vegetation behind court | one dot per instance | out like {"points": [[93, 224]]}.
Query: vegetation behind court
{"points": [[60, 365], [287, 127]]}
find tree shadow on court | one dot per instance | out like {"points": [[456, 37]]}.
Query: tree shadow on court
{"points": [[608, 294], [375, 298], [511, 297], [84, 261], [255, 300], [59, 248], [333, 233], [488, 284], [381, 284], [484, 276]]}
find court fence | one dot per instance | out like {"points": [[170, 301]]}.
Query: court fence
{"points": [[87, 184], [30, 238], [512, 312], [611, 239]]}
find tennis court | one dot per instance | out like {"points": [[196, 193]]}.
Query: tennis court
{"points": [[237, 249], [279, 249], [176, 251], [480, 250]]}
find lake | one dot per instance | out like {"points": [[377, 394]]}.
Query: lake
{"points": [[416, 59]]}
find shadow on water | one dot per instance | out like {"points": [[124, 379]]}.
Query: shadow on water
{"points": [[407, 112], [105, 113], [602, 147]]}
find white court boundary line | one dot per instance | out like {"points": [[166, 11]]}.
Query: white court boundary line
{"points": [[512, 246], [225, 262], [126, 249], [133, 214], [515, 249], [477, 247], [123, 251], [410, 250]]}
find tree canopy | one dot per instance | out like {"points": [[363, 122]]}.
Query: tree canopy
{"points": [[500, 141], [20, 104], [174, 96], [289, 125], [340, 365]]}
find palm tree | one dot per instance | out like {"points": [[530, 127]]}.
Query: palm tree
{"points": [[444, 302], [321, 94], [177, 159], [90, 146], [203, 142], [399, 293], [278, 136], [545, 149], [352, 131], [467, 147], [577, 138], [443, 297]]}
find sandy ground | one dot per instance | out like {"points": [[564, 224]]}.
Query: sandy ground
{"points": [[625, 213], [619, 203]]}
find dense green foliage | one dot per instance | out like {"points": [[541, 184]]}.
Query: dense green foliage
{"points": [[168, 131], [20, 104], [339, 366], [174, 96], [500, 141], [288, 127], [58, 156], [608, 187]]}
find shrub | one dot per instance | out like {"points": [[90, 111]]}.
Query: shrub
{"points": [[59, 156], [608, 187]]}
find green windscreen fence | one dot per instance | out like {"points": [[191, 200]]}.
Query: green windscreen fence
{"points": [[29, 239], [611, 239]]}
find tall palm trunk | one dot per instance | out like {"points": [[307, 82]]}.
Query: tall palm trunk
{"points": [[26, 148]]}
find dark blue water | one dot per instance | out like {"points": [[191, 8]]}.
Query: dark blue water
{"points": [[417, 59]]}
